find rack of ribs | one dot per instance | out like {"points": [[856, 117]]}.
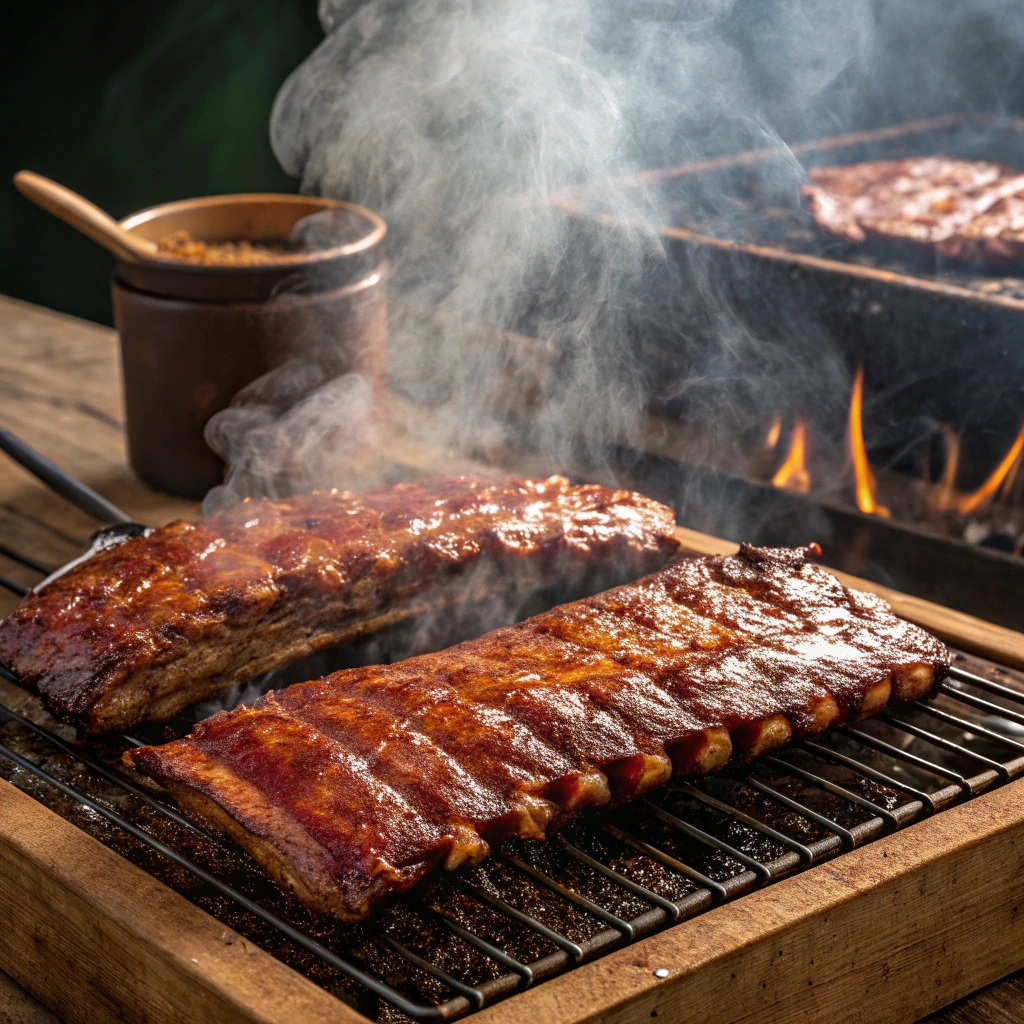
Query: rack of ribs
{"points": [[140, 631], [351, 789], [965, 209]]}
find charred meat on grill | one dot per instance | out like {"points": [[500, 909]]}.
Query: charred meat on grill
{"points": [[966, 209], [351, 789], [143, 630]]}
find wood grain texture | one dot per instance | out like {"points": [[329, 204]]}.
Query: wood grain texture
{"points": [[60, 391], [888, 932], [99, 940], [18, 1007], [995, 1004]]}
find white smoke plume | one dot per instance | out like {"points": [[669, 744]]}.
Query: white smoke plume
{"points": [[458, 119]]}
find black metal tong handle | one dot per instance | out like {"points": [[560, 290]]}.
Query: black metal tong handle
{"points": [[62, 483]]}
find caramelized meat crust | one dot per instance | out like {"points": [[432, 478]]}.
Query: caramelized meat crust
{"points": [[141, 631], [966, 209], [350, 789]]}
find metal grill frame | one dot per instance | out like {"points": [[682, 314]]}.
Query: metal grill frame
{"points": [[783, 294], [617, 932]]}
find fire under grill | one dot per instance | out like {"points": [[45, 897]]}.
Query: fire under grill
{"points": [[535, 910], [883, 394]]}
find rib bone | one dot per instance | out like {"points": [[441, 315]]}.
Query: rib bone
{"points": [[352, 788]]}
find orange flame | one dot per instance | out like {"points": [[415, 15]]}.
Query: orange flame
{"points": [[1003, 472], [865, 479], [947, 485], [1011, 478], [792, 474], [774, 433]]}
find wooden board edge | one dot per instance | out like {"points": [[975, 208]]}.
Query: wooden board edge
{"points": [[894, 930], [997, 643], [99, 940], [18, 1007]]}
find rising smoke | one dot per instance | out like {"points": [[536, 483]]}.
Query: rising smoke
{"points": [[457, 120]]}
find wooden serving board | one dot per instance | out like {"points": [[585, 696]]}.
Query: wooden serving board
{"points": [[891, 931]]}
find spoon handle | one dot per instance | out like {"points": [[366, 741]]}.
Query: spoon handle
{"points": [[88, 218]]}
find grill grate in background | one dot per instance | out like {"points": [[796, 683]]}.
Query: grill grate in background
{"points": [[534, 909]]}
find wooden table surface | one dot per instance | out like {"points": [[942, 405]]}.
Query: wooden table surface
{"points": [[60, 390]]}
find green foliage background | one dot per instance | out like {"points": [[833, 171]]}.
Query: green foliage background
{"points": [[133, 102]]}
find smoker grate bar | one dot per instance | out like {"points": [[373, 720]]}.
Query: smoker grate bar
{"points": [[972, 727], [469, 997], [982, 683], [941, 741], [905, 755], [670, 908], [845, 835], [420, 1012], [881, 812], [763, 871], [14, 588], [615, 928], [804, 852], [872, 773], [524, 971], [715, 890], [624, 928], [981, 705], [28, 563], [118, 778], [469, 992], [574, 950]]}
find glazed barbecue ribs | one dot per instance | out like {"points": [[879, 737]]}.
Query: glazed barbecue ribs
{"points": [[351, 789], [141, 631], [965, 209]]}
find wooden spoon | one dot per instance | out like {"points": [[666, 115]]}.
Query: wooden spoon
{"points": [[87, 217]]}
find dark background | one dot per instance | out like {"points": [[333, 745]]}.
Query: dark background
{"points": [[131, 103], [136, 102]]}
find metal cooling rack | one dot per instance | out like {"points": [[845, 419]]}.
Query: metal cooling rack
{"points": [[534, 910]]}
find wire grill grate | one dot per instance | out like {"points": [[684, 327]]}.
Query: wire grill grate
{"points": [[534, 910]]}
